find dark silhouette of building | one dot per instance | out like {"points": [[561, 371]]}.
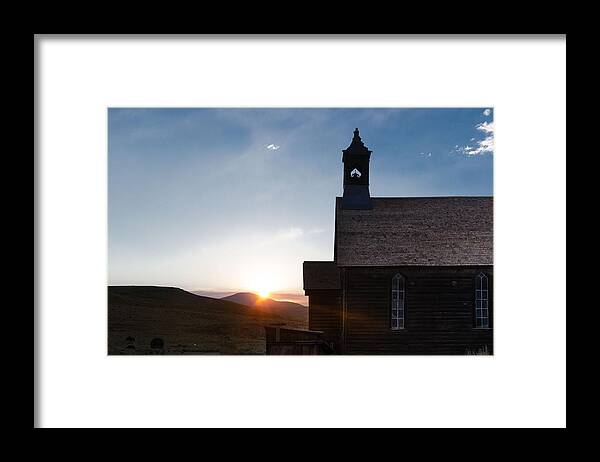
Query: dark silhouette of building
{"points": [[410, 275], [356, 175]]}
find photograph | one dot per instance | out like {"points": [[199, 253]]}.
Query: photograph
{"points": [[291, 231], [300, 231]]}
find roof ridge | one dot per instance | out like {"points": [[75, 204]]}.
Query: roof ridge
{"points": [[432, 197], [428, 197]]}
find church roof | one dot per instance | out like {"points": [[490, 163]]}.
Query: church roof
{"points": [[429, 231], [321, 275]]}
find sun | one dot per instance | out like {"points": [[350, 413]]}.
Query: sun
{"points": [[262, 282], [264, 293], [263, 286]]}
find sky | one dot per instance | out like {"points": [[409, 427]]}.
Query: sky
{"points": [[226, 200]]}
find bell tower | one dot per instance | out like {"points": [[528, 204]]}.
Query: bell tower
{"points": [[356, 175]]}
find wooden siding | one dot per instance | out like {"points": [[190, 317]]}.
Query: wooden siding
{"points": [[325, 314], [439, 311]]}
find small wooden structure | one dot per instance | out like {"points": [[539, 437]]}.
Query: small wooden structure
{"points": [[286, 341]]}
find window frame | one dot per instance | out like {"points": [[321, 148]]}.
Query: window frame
{"points": [[481, 309], [398, 304]]}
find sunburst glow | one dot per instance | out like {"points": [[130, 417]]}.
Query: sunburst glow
{"points": [[263, 282], [264, 293]]}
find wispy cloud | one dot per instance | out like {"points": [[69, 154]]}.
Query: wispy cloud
{"points": [[273, 147], [486, 127], [290, 234], [316, 231], [487, 112], [482, 146]]}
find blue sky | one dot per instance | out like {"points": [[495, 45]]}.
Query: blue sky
{"points": [[235, 199]]}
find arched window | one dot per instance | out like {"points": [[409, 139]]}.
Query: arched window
{"points": [[482, 318], [397, 302]]}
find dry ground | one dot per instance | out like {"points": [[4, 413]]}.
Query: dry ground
{"points": [[186, 323]]}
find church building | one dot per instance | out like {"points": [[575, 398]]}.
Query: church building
{"points": [[409, 275]]}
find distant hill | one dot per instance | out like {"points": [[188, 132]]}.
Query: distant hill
{"points": [[187, 323], [289, 310]]}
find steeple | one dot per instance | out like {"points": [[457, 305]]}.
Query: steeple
{"points": [[356, 143], [356, 175]]}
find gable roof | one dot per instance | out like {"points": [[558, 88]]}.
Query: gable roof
{"points": [[321, 275], [429, 231]]}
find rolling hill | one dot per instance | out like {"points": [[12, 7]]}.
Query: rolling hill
{"points": [[289, 310], [141, 317]]}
